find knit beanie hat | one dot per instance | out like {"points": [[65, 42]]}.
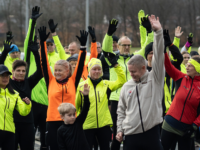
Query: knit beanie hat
{"points": [[148, 49], [15, 49], [115, 38], [93, 63], [192, 53], [73, 58]]}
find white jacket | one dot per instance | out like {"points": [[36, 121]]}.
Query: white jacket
{"points": [[140, 103]]}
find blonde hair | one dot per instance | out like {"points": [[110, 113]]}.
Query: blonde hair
{"points": [[66, 64], [65, 108]]}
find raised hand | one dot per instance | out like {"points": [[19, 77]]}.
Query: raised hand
{"points": [[42, 33], [155, 23], [92, 33], [9, 36], [178, 32], [86, 89], [111, 57], [112, 26], [190, 37], [33, 46], [167, 38], [83, 38], [35, 13], [146, 23], [52, 26], [7, 46]]}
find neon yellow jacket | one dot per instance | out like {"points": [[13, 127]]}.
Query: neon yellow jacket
{"points": [[99, 114], [9, 102], [108, 47]]}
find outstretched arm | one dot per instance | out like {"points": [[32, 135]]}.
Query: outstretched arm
{"points": [[81, 58], [46, 70], [6, 50]]}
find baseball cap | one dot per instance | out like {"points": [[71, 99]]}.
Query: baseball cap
{"points": [[4, 69]]}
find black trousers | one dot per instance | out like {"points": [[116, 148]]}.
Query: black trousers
{"points": [[168, 139], [24, 136], [40, 115], [115, 144], [7, 140], [102, 135], [143, 141], [51, 134]]}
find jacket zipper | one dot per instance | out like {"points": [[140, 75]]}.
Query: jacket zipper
{"points": [[62, 93], [98, 96], [5, 113], [8, 102], [126, 68], [96, 106], [191, 94], [140, 110], [168, 101], [185, 101]]}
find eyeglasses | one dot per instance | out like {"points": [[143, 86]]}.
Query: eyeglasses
{"points": [[186, 57], [49, 44], [125, 45], [98, 47], [67, 52]]}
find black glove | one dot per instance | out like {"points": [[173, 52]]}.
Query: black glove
{"points": [[111, 58], [9, 36], [146, 23], [52, 26], [112, 26], [190, 37], [35, 13], [7, 46], [83, 38], [166, 38], [42, 33], [92, 33], [33, 46], [191, 130]]}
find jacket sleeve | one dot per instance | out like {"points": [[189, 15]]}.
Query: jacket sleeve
{"points": [[46, 70], [107, 44], [121, 111], [158, 68], [60, 48], [176, 42], [149, 39], [81, 118], [121, 79], [176, 55], [29, 36], [3, 56], [22, 107], [93, 54], [184, 48], [76, 76], [174, 73], [105, 67], [143, 36], [61, 142], [37, 76]]}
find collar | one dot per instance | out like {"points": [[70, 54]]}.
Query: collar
{"points": [[63, 81], [12, 59], [125, 56], [52, 53], [95, 82], [143, 79], [17, 79]]}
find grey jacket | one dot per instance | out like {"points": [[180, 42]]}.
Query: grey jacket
{"points": [[140, 105]]}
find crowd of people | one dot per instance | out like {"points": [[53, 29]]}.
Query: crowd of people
{"points": [[149, 99]]}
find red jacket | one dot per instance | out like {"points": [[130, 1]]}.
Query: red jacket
{"points": [[187, 98]]}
